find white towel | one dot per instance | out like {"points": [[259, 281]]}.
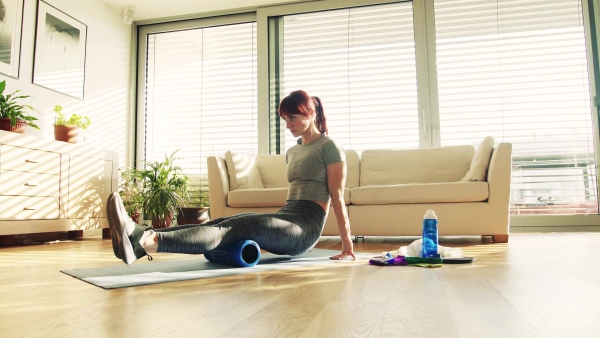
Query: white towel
{"points": [[414, 250]]}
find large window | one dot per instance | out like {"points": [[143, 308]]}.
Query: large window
{"points": [[200, 97], [514, 70], [361, 62], [517, 70]]}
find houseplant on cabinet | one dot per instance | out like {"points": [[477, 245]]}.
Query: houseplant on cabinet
{"points": [[164, 187], [13, 115], [67, 130]]}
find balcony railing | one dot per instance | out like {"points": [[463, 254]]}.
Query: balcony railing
{"points": [[554, 184]]}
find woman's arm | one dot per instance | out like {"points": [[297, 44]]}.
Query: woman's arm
{"points": [[336, 180]]}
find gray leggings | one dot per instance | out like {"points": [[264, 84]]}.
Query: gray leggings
{"points": [[293, 230]]}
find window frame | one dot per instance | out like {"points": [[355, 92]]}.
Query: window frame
{"points": [[142, 35], [267, 59]]}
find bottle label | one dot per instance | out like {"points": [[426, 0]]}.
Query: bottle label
{"points": [[430, 238]]}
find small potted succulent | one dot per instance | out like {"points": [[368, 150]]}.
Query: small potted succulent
{"points": [[13, 115], [67, 130]]}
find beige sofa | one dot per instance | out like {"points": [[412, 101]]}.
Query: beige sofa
{"points": [[387, 191]]}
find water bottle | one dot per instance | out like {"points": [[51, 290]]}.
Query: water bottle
{"points": [[430, 235]]}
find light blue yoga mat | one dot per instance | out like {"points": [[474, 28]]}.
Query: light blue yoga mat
{"points": [[123, 275]]}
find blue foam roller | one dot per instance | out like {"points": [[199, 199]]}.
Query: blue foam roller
{"points": [[244, 253]]}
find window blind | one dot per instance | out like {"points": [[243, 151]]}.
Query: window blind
{"points": [[517, 71], [361, 63], [201, 97]]}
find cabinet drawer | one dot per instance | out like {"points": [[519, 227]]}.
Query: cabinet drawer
{"points": [[29, 160], [22, 208], [28, 184]]}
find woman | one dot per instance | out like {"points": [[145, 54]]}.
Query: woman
{"points": [[316, 170]]}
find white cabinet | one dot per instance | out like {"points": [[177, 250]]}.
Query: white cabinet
{"points": [[29, 183], [47, 185], [88, 187]]}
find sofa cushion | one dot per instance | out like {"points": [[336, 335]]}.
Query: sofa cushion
{"points": [[272, 169], [432, 165], [268, 197], [242, 171], [353, 165], [481, 161], [421, 193]]}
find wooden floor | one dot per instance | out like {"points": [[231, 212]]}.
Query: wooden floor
{"points": [[537, 285]]}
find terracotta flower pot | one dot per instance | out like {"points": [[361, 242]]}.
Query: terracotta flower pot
{"points": [[160, 223], [18, 128], [192, 215], [66, 134]]}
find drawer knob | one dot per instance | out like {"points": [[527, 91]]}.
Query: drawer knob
{"points": [[31, 161], [27, 208], [31, 184]]}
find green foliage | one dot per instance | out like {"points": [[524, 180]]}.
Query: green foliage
{"points": [[163, 187], [198, 192], [130, 192], [10, 109], [75, 120]]}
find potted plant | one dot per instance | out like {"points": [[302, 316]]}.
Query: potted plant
{"points": [[197, 210], [13, 116], [164, 187], [192, 215], [130, 192], [67, 130]]}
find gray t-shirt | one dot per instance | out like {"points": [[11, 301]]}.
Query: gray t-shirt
{"points": [[307, 168]]}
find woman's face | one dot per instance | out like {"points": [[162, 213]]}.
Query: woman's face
{"points": [[298, 124]]}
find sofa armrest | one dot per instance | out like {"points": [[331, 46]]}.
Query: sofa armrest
{"points": [[218, 186], [499, 179]]}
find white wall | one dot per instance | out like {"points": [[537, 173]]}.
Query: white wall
{"points": [[106, 75]]}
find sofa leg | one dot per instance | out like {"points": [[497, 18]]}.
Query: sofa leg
{"points": [[500, 238], [357, 237]]}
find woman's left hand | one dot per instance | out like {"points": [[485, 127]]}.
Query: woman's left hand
{"points": [[347, 251]]}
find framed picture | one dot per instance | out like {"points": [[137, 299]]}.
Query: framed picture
{"points": [[11, 18], [59, 62]]}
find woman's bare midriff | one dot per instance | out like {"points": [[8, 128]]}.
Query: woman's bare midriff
{"points": [[324, 205]]}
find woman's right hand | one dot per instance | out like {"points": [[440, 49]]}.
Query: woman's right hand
{"points": [[347, 250]]}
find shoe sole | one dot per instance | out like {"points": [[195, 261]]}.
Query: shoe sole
{"points": [[118, 220], [116, 226]]}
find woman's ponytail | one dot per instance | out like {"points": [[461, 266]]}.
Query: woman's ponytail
{"points": [[320, 115]]}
